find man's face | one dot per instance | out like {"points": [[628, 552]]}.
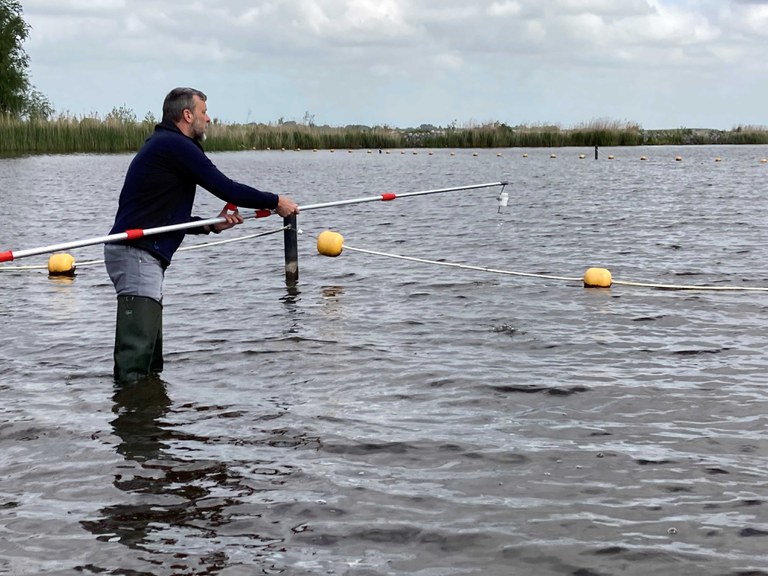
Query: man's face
{"points": [[200, 119]]}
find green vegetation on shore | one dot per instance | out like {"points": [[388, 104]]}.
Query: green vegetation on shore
{"points": [[120, 131]]}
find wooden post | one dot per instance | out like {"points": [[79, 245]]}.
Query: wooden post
{"points": [[291, 239]]}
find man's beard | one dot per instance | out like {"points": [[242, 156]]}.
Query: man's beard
{"points": [[199, 132]]}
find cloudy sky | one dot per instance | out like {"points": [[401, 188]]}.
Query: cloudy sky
{"points": [[657, 63]]}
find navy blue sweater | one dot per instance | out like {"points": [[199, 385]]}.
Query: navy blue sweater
{"points": [[160, 185]]}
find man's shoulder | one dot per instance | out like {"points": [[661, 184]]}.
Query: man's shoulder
{"points": [[171, 138], [163, 131]]}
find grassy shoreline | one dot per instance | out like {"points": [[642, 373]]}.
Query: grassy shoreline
{"points": [[92, 135]]}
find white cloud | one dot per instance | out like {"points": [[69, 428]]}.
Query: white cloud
{"points": [[433, 61], [505, 8]]}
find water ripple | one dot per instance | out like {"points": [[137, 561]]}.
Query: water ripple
{"points": [[386, 417]]}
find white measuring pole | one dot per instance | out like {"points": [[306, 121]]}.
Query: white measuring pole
{"points": [[10, 255], [127, 235], [392, 196]]}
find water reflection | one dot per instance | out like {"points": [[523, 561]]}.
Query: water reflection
{"points": [[139, 409], [293, 293], [333, 301], [173, 503]]}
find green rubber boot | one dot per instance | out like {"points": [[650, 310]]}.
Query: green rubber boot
{"points": [[138, 339], [156, 366]]}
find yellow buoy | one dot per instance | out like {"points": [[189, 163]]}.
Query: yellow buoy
{"points": [[643, 157], [610, 157], [582, 156], [678, 158], [597, 278], [61, 265], [330, 243]]}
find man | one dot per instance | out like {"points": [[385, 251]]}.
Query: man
{"points": [[159, 190]]}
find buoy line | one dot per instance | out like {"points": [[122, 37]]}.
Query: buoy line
{"points": [[332, 243], [692, 287], [182, 249], [230, 240], [463, 266]]}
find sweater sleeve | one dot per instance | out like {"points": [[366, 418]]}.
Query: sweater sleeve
{"points": [[208, 176]]}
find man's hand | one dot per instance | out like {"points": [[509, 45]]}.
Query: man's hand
{"points": [[233, 219], [286, 206]]}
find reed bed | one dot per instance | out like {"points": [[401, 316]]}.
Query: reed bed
{"points": [[67, 134], [297, 137]]}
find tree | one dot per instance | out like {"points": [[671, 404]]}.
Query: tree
{"points": [[17, 95], [37, 106], [14, 81]]}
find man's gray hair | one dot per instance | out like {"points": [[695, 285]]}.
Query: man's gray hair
{"points": [[178, 100]]}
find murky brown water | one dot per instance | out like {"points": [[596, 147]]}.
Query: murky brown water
{"points": [[393, 417]]}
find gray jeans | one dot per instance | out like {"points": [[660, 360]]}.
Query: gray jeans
{"points": [[134, 272]]}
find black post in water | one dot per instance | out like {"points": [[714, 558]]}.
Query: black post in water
{"points": [[595, 151], [291, 239]]}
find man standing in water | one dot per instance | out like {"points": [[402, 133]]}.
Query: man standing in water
{"points": [[159, 190]]}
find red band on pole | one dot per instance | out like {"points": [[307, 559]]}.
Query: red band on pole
{"points": [[231, 207], [388, 196], [134, 234], [263, 213], [6, 256]]}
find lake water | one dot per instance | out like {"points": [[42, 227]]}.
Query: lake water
{"points": [[388, 417]]}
